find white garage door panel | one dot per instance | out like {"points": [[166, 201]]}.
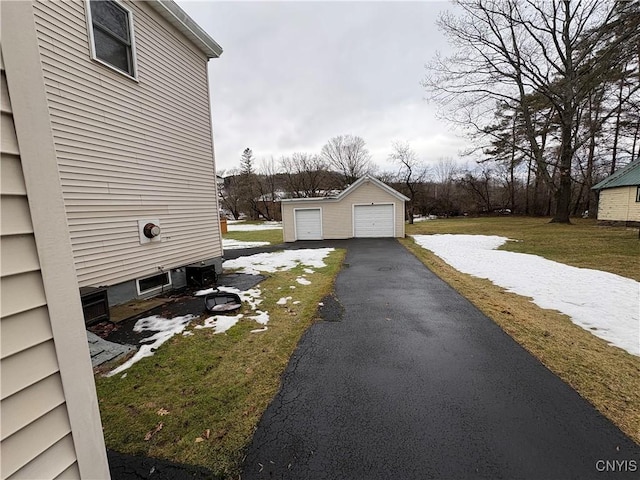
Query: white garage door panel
{"points": [[373, 221], [308, 224]]}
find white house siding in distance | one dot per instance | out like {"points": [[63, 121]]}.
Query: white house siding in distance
{"points": [[130, 150], [619, 205]]}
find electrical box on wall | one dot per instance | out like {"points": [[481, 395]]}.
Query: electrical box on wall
{"points": [[149, 230]]}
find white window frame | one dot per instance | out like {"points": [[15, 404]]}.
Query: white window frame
{"points": [[154, 289], [92, 42]]}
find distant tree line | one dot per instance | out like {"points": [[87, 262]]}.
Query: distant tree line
{"points": [[442, 188], [549, 90]]}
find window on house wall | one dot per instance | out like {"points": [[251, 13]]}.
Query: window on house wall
{"points": [[637, 194], [111, 31], [153, 283]]}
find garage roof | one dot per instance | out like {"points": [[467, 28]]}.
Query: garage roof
{"points": [[366, 179]]}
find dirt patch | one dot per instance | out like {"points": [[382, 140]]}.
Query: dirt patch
{"points": [[330, 310]]}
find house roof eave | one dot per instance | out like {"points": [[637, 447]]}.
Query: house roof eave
{"points": [[171, 12]]}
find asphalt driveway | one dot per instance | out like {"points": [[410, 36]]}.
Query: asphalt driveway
{"points": [[411, 381]]}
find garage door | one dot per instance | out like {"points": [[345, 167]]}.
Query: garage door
{"points": [[373, 221], [308, 224]]}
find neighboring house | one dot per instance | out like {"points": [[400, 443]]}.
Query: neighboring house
{"points": [[105, 130], [367, 208], [619, 197]]}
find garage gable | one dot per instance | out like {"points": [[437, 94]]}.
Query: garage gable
{"points": [[368, 208]]}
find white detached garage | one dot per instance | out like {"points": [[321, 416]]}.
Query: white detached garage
{"points": [[367, 209]]}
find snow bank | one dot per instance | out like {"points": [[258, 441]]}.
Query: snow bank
{"points": [[602, 303]]}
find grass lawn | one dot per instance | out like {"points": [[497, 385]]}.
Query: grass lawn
{"points": [[205, 393], [608, 377], [274, 237]]}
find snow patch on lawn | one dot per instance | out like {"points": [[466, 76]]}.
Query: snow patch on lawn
{"points": [[165, 328], [250, 227], [602, 303], [261, 317], [303, 281], [279, 261], [283, 300], [220, 323], [231, 244]]}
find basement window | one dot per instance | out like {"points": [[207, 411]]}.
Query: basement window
{"points": [[111, 35], [153, 283]]}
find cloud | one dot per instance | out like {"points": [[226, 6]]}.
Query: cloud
{"points": [[294, 74]]}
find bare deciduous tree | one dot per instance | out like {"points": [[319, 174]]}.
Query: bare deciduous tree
{"points": [[348, 155], [231, 193], [267, 183], [305, 175], [510, 50], [411, 173]]}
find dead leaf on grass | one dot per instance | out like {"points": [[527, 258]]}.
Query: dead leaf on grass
{"points": [[205, 436], [162, 412], [151, 433]]}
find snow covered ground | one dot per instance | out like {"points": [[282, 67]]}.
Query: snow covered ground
{"points": [[279, 261], [602, 303], [165, 328], [231, 244], [249, 227]]}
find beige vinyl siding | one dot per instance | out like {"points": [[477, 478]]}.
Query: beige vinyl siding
{"points": [[130, 150], [619, 204], [365, 194], [35, 431], [337, 215]]}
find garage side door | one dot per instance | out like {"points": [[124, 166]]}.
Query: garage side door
{"points": [[373, 221], [308, 224]]}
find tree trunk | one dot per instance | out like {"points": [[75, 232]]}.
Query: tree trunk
{"points": [[616, 133], [563, 193]]}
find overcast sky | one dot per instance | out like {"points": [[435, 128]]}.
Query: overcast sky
{"points": [[295, 74]]}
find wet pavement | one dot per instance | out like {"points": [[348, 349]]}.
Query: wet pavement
{"points": [[410, 381]]}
